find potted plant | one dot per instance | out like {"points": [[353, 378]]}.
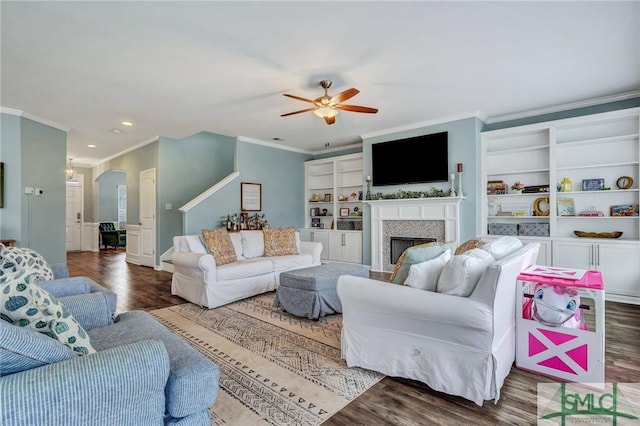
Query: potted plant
{"points": [[517, 187]]}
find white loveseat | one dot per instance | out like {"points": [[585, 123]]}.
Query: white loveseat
{"points": [[197, 279], [459, 345]]}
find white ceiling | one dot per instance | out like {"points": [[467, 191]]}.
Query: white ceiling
{"points": [[175, 68]]}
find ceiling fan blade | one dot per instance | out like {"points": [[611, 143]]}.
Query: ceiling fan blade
{"points": [[297, 112], [298, 98], [343, 96], [356, 108], [330, 120]]}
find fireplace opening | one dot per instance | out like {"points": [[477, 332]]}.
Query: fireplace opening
{"points": [[400, 244]]}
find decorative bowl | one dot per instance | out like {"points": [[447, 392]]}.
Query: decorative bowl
{"points": [[583, 234]]}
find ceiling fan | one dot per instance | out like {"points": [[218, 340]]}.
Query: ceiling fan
{"points": [[327, 107]]}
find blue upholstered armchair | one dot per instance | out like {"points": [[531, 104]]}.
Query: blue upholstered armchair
{"points": [[140, 374]]}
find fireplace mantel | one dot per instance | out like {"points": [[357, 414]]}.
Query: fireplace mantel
{"points": [[445, 209]]}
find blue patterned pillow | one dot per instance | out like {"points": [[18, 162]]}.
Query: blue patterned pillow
{"points": [[25, 304], [16, 259]]}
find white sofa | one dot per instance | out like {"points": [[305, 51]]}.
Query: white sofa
{"points": [[197, 279], [459, 345]]}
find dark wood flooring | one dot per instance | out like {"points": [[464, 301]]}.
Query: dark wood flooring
{"points": [[393, 401]]}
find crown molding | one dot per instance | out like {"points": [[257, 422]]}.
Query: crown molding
{"points": [[133, 148], [564, 107], [273, 145], [478, 114], [35, 118]]}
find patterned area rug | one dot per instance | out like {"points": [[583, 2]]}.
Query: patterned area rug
{"points": [[275, 368]]}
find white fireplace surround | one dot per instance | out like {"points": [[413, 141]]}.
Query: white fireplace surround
{"points": [[446, 209]]}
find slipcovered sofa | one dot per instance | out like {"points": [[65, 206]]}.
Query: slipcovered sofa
{"points": [[201, 278], [453, 330], [136, 371]]}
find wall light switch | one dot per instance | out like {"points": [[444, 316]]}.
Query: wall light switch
{"points": [[29, 190], [168, 206]]}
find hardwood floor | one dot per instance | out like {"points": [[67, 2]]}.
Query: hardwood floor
{"points": [[393, 401]]}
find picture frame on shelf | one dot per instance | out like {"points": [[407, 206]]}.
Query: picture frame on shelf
{"points": [[592, 184], [344, 211], [327, 198], [624, 210], [566, 207], [315, 222]]}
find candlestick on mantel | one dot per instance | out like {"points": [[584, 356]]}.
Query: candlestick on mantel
{"points": [[459, 167]]}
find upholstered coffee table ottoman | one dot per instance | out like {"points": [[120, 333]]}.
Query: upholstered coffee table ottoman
{"points": [[311, 292]]}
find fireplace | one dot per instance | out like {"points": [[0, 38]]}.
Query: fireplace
{"points": [[421, 218], [400, 244]]}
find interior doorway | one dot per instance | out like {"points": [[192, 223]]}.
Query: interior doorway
{"points": [[75, 213]]}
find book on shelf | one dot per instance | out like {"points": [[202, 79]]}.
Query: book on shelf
{"points": [[566, 207]]}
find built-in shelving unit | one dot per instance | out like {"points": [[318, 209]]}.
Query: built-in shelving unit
{"points": [[333, 206], [600, 148]]}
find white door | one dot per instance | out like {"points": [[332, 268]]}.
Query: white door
{"points": [[75, 213], [147, 217]]}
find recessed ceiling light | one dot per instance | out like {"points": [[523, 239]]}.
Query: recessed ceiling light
{"points": [[116, 130], [127, 123], [91, 145]]}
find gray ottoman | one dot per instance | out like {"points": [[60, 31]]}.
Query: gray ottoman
{"points": [[311, 292]]}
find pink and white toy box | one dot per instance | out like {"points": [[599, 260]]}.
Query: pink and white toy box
{"points": [[552, 336]]}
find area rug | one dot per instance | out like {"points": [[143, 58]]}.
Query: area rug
{"points": [[275, 368]]}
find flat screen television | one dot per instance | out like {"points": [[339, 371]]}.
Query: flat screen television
{"points": [[418, 159]]}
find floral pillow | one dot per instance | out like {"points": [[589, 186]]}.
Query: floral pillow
{"points": [[219, 245], [279, 241], [25, 304]]}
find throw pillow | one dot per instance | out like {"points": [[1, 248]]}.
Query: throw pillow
{"points": [[461, 274], [252, 244], [219, 245], [469, 245], [417, 254], [425, 275], [15, 259], [279, 241], [502, 246], [27, 305]]}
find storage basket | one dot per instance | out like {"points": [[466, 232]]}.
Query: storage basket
{"points": [[503, 229]]}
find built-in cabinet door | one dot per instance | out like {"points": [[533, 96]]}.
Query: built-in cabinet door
{"points": [[620, 268], [616, 261], [346, 246], [322, 237], [569, 254]]}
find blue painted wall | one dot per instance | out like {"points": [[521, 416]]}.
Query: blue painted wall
{"points": [[281, 174], [108, 195], [34, 155], [10, 149], [188, 167], [132, 163], [464, 147]]}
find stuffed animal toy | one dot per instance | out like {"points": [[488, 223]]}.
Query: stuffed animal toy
{"points": [[555, 306]]}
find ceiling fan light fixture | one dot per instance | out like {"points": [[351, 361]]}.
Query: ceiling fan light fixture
{"points": [[326, 112]]}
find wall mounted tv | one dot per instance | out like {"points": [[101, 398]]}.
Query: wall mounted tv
{"points": [[418, 159]]}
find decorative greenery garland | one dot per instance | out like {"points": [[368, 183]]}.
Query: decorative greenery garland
{"points": [[433, 192]]}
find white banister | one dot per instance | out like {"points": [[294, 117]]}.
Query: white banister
{"points": [[215, 188]]}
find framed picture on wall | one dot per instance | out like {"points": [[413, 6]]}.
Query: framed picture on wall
{"points": [[250, 196]]}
